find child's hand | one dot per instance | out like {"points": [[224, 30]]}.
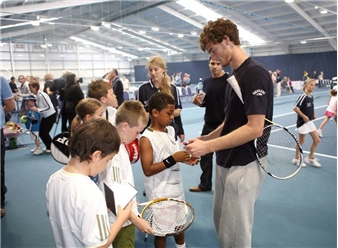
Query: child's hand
{"points": [[124, 214], [306, 119], [181, 156], [192, 161]]}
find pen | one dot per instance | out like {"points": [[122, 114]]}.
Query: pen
{"points": [[145, 237]]}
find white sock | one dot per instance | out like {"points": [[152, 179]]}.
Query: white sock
{"points": [[180, 246]]}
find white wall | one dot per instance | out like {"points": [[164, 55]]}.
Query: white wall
{"points": [[32, 59]]}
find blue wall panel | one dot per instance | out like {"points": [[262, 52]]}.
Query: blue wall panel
{"points": [[292, 65]]}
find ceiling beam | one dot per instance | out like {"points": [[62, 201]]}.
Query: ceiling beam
{"points": [[314, 24], [24, 32], [181, 16], [29, 8]]}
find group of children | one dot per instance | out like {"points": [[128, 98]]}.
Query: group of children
{"points": [[304, 108], [79, 215]]}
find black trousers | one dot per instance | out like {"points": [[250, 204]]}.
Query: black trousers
{"points": [[46, 125], [206, 164], [3, 186]]}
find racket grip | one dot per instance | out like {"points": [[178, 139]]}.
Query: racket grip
{"points": [[145, 238]]}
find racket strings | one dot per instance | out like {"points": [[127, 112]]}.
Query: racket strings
{"points": [[168, 217], [279, 147]]}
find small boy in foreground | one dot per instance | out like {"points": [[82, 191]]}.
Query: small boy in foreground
{"points": [[76, 207]]}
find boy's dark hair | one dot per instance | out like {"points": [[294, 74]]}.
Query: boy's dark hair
{"points": [[98, 88], [214, 32], [132, 112], [94, 135], [35, 85], [159, 101]]}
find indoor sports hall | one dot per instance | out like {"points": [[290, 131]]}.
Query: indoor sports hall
{"points": [[298, 212], [90, 38]]}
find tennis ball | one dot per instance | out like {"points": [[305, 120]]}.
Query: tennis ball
{"points": [[24, 119]]}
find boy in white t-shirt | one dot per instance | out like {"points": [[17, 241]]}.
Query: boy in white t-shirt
{"points": [[76, 207], [131, 119], [160, 154], [103, 91]]}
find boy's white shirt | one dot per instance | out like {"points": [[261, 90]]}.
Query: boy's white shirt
{"points": [[118, 170], [82, 219], [167, 183], [111, 115]]}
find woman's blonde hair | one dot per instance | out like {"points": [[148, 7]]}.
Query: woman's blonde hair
{"points": [[159, 62], [48, 77], [307, 81], [87, 106]]}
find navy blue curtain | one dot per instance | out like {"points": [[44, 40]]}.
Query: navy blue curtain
{"points": [[291, 65]]}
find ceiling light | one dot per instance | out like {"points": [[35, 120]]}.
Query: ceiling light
{"points": [[43, 46], [180, 35], [95, 28], [316, 7], [289, 1], [142, 32], [209, 14], [61, 55], [50, 45], [35, 23], [193, 33], [42, 55], [303, 42], [323, 11], [155, 29], [95, 45], [106, 24]]}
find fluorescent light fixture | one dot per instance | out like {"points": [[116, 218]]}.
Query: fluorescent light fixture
{"points": [[43, 46], [155, 28], [106, 24], [95, 28], [316, 7], [180, 35], [35, 23], [112, 50], [193, 33], [61, 55], [289, 1], [209, 14], [303, 42], [159, 43], [49, 45], [30, 23], [142, 32], [42, 55], [323, 11]]}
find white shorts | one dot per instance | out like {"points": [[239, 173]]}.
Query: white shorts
{"points": [[307, 127], [34, 136]]}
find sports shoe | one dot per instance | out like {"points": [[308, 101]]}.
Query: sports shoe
{"points": [[46, 150], [38, 151], [312, 161], [33, 150], [295, 161], [320, 134]]}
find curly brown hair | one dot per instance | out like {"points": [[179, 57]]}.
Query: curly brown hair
{"points": [[214, 31]]}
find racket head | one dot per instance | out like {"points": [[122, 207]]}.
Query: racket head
{"points": [[168, 216], [275, 152]]}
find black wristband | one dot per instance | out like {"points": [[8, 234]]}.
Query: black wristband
{"points": [[169, 161]]}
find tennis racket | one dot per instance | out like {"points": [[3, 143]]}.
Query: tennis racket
{"points": [[168, 216], [277, 146]]}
